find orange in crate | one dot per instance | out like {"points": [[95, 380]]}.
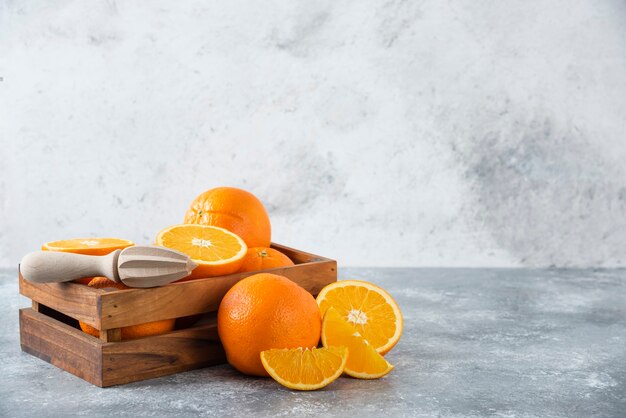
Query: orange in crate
{"points": [[264, 258], [133, 331]]}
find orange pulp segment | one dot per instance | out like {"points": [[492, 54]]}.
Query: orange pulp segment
{"points": [[368, 308], [364, 362], [89, 246], [217, 251], [304, 368]]}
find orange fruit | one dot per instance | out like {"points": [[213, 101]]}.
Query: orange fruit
{"points": [[262, 312], [368, 308], [216, 250], [234, 209], [263, 258], [305, 369], [133, 331], [88, 246], [364, 362]]}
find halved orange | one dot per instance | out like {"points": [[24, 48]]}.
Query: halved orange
{"points": [[88, 246], [304, 368], [217, 251], [367, 307], [363, 360]]}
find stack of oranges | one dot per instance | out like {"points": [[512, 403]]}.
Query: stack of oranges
{"points": [[268, 325]]}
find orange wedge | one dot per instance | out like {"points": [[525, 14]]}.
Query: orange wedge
{"points": [[364, 362], [368, 308], [217, 251], [89, 246], [304, 368]]}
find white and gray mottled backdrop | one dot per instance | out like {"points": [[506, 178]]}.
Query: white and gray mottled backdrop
{"points": [[393, 133]]}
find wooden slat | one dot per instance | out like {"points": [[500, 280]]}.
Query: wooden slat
{"points": [[54, 314], [161, 355], [107, 364], [111, 335], [108, 310], [137, 306], [75, 300], [60, 344], [313, 277], [297, 256]]}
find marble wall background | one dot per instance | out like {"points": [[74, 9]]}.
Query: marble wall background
{"points": [[391, 133]]}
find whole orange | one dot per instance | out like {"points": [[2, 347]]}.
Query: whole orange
{"points": [[234, 209], [264, 258], [262, 312]]}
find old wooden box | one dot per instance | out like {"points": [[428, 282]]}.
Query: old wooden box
{"points": [[49, 330]]}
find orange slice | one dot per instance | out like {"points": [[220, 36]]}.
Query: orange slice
{"points": [[304, 368], [368, 308], [89, 246], [217, 251], [364, 362]]}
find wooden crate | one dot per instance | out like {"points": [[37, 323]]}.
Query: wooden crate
{"points": [[49, 330]]}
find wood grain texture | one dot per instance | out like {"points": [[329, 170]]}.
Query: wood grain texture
{"points": [[73, 299], [297, 256], [62, 345], [106, 364], [105, 310], [137, 306], [111, 335], [136, 266], [55, 266], [148, 266], [161, 355]]}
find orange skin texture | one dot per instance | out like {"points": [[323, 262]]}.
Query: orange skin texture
{"points": [[263, 258], [262, 312], [133, 331], [203, 271], [234, 209]]}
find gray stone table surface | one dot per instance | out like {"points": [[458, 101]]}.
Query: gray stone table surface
{"points": [[477, 342]]}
